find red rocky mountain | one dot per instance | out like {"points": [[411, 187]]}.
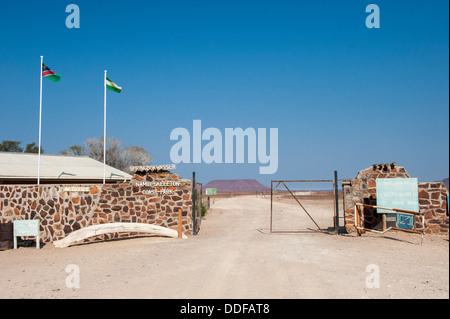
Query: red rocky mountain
{"points": [[237, 186]]}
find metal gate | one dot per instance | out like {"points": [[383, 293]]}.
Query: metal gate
{"points": [[296, 208]]}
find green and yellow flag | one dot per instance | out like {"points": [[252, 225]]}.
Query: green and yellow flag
{"points": [[113, 86]]}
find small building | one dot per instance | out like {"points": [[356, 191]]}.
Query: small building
{"points": [[432, 197], [22, 168], [154, 196]]}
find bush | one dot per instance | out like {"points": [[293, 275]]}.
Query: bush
{"points": [[203, 210]]}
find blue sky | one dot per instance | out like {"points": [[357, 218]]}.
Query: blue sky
{"points": [[341, 95]]}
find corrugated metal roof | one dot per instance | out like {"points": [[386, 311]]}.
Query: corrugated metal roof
{"points": [[24, 166]]}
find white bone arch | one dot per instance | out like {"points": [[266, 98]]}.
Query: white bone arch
{"points": [[109, 228]]}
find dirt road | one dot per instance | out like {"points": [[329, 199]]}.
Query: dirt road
{"points": [[234, 256]]}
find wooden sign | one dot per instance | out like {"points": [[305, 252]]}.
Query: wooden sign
{"points": [[77, 189], [26, 228]]}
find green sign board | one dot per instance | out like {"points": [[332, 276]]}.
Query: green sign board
{"points": [[401, 193], [26, 228], [211, 191]]}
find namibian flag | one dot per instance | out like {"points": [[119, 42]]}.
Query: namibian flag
{"points": [[49, 74]]}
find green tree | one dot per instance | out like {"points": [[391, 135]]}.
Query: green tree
{"points": [[14, 146], [74, 150], [33, 148], [10, 146]]}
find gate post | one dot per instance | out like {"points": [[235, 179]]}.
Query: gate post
{"points": [[336, 194], [271, 205], [180, 223], [194, 213]]}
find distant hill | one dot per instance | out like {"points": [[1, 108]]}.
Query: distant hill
{"points": [[237, 186]]}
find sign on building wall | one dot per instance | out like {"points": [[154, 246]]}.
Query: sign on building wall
{"points": [[77, 189], [401, 193]]}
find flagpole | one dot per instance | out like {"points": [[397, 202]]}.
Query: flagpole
{"points": [[40, 119], [104, 130]]}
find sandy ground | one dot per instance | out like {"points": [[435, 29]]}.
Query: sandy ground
{"points": [[235, 256]]}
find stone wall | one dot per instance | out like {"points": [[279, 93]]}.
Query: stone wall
{"points": [[362, 189], [433, 203], [152, 198]]}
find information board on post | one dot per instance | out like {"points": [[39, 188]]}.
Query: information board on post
{"points": [[400, 193], [26, 228]]}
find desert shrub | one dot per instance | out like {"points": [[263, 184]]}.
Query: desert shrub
{"points": [[203, 210]]}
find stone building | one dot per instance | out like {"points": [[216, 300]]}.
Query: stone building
{"points": [[362, 189], [153, 196]]}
